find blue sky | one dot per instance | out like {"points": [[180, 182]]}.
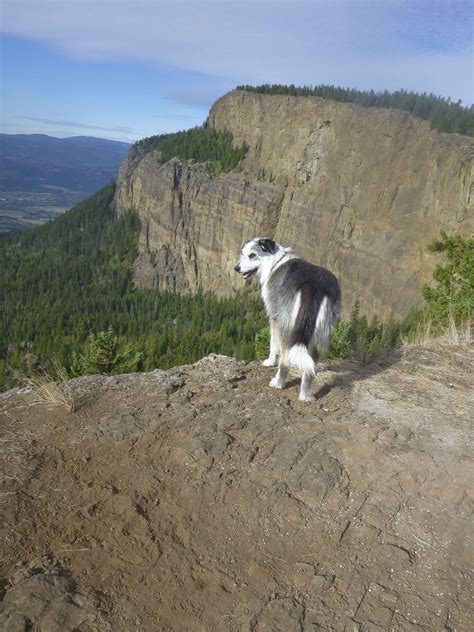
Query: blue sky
{"points": [[126, 69]]}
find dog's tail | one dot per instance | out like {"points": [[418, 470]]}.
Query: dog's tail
{"points": [[299, 357], [312, 329]]}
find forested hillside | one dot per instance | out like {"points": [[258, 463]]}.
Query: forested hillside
{"points": [[200, 144], [443, 114], [72, 277]]}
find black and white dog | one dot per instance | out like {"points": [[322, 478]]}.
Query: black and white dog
{"points": [[303, 302]]}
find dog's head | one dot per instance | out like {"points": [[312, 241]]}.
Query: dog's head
{"points": [[255, 255]]}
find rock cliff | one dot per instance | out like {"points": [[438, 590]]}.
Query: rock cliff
{"points": [[200, 499], [361, 191]]}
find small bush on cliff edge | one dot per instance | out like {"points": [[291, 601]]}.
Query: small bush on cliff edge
{"points": [[453, 295], [106, 354]]}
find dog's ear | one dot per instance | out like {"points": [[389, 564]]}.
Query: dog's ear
{"points": [[267, 245]]}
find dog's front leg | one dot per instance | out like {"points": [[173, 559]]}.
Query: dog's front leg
{"points": [[279, 381], [272, 359]]}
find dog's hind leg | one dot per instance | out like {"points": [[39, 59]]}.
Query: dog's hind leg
{"points": [[306, 394], [275, 344], [279, 381]]}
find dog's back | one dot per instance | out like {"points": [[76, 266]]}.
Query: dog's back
{"points": [[305, 300]]}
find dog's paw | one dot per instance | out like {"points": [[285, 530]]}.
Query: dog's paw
{"points": [[275, 383], [306, 397], [269, 362]]}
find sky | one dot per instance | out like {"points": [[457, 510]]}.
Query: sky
{"points": [[125, 69]]}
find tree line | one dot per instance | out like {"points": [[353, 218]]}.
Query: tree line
{"points": [[443, 114], [202, 144]]}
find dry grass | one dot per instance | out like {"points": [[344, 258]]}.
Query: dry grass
{"points": [[48, 387], [458, 334], [451, 335]]}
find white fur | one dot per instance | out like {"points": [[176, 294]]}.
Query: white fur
{"points": [[306, 394], [322, 315], [270, 264], [299, 357], [296, 309], [275, 345], [324, 325]]}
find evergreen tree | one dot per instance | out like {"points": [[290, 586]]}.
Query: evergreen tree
{"points": [[453, 294], [107, 355]]}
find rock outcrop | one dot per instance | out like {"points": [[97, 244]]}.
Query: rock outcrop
{"points": [[200, 499], [359, 190]]}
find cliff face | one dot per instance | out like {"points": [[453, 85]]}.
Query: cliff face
{"points": [[361, 191]]}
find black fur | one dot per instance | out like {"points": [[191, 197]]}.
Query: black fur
{"points": [[314, 283], [267, 245]]}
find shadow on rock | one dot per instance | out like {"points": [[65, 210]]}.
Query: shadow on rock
{"points": [[343, 374]]}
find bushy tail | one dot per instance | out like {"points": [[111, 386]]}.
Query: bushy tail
{"points": [[327, 317], [299, 357], [312, 329]]}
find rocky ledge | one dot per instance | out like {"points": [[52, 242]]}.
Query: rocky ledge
{"points": [[199, 499]]}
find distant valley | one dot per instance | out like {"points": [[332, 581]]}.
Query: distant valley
{"points": [[42, 176]]}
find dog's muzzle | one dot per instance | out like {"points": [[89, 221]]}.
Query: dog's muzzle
{"points": [[249, 273]]}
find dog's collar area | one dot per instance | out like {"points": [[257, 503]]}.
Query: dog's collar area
{"points": [[287, 254]]}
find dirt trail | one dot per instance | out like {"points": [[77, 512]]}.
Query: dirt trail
{"points": [[199, 500]]}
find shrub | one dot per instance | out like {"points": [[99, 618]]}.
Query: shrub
{"points": [[453, 295], [340, 346], [106, 354]]}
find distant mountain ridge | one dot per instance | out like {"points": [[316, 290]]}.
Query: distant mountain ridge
{"points": [[36, 162]]}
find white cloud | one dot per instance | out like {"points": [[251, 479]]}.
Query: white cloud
{"points": [[367, 44], [76, 125]]}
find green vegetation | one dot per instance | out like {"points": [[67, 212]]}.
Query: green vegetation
{"points": [[200, 143], [362, 339], [67, 297], [262, 343], [71, 278], [443, 114], [105, 354], [453, 294]]}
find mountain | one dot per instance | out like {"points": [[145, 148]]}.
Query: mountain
{"points": [[34, 162], [359, 190], [41, 176]]}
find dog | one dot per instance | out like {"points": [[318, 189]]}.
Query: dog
{"points": [[303, 303]]}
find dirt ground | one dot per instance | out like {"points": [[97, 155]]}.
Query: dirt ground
{"points": [[199, 500]]}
